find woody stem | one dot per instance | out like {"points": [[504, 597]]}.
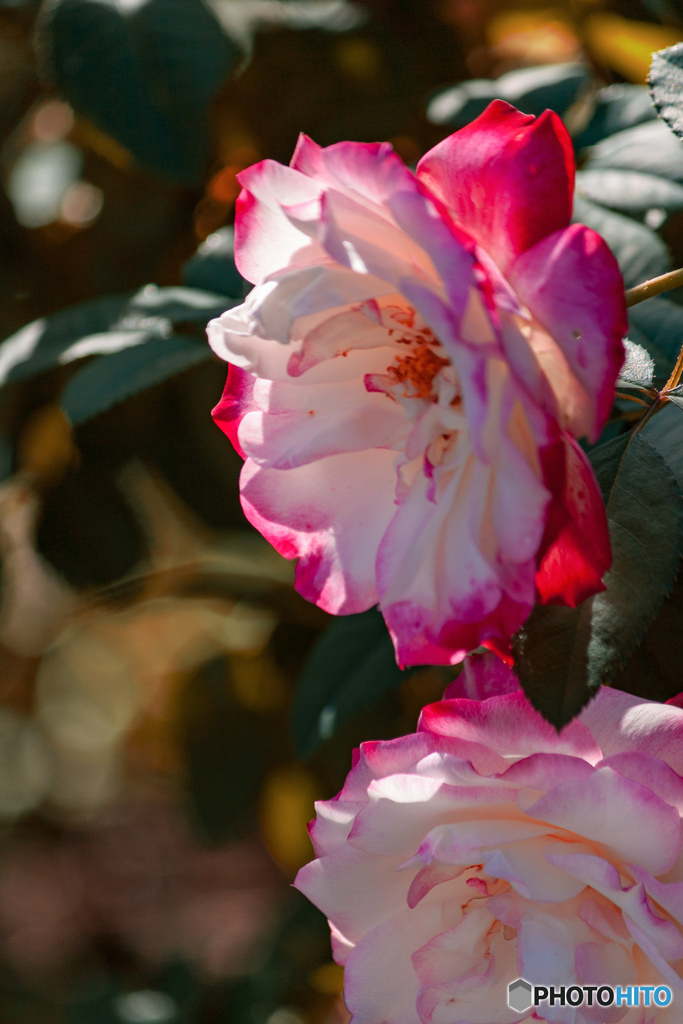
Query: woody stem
{"points": [[655, 286]]}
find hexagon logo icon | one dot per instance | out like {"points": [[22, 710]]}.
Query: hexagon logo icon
{"points": [[519, 995]]}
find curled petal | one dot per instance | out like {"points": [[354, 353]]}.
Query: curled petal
{"points": [[604, 807], [605, 963], [294, 426], [650, 772], [448, 540], [621, 722], [507, 178], [300, 510], [547, 943], [380, 983], [265, 239], [510, 726], [364, 171], [377, 887], [483, 675], [581, 350], [543, 771], [235, 403], [575, 552]]}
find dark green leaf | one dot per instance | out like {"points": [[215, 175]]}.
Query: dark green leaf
{"points": [[103, 326], [617, 107], [664, 431], [108, 380], [185, 57], [666, 86], [349, 666], [640, 253], [644, 507], [632, 192], [638, 369], [144, 74], [563, 654], [90, 56], [531, 90], [660, 321], [654, 669], [552, 660], [213, 266], [650, 148], [670, 12]]}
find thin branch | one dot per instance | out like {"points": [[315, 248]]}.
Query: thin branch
{"points": [[632, 398], [675, 378], [654, 287], [655, 407]]}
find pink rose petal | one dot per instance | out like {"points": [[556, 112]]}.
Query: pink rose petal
{"points": [[427, 316], [508, 179]]}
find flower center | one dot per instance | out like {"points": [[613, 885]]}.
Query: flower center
{"points": [[422, 379], [419, 368]]}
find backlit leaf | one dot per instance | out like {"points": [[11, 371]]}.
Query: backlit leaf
{"points": [[638, 368], [666, 86], [651, 148], [531, 90], [617, 107], [105, 326], [630, 192]]}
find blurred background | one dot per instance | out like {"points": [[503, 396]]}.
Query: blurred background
{"points": [[154, 784]]}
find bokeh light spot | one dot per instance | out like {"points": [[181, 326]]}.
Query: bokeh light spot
{"points": [[146, 1007], [52, 121], [82, 204]]}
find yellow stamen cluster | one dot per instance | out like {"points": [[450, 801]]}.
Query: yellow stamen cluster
{"points": [[418, 369]]}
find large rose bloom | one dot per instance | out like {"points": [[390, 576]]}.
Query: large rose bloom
{"points": [[486, 847], [409, 374]]}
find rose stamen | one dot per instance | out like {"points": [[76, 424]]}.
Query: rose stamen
{"points": [[419, 368]]}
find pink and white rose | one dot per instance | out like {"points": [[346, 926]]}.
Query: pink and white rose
{"points": [[410, 373], [487, 847]]}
